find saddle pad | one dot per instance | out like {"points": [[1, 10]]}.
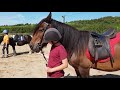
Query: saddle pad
{"points": [[21, 38], [113, 42]]}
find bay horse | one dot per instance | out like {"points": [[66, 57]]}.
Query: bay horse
{"points": [[12, 43], [76, 43]]}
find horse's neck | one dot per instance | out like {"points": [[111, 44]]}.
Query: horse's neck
{"points": [[73, 40], [67, 33]]}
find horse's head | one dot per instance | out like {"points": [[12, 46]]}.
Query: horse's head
{"points": [[38, 33]]}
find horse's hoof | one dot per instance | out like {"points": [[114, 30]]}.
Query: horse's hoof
{"points": [[2, 57], [30, 53], [6, 56], [15, 55]]}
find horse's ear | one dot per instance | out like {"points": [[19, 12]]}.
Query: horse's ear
{"points": [[49, 17]]}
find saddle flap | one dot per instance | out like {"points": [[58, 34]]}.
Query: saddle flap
{"points": [[98, 47]]}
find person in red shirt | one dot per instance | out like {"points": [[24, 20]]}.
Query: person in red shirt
{"points": [[58, 55]]}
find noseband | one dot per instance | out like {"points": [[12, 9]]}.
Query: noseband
{"points": [[43, 30]]}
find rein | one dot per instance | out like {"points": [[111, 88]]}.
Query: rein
{"points": [[40, 44], [43, 55]]}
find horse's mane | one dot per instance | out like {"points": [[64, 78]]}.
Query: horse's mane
{"points": [[73, 40], [37, 26]]}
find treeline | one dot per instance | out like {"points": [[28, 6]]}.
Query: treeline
{"points": [[19, 28], [99, 25]]}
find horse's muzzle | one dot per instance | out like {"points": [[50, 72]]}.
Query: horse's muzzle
{"points": [[35, 48], [31, 47], [40, 46]]}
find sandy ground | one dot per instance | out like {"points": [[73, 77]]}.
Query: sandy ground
{"points": [[26, 65]]}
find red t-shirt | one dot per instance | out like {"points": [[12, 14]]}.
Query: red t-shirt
{"points": [[57, 54]]}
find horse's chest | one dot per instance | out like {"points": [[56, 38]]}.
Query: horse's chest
{"points": [[73, 59], [79, 60]]}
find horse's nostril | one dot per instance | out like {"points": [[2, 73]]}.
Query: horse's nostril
{"points": [[39, 44]]}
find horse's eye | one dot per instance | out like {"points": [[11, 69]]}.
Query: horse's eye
{"points": [[41, 30]]}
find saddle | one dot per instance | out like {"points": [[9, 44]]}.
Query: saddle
{"points": [[99, 46], [21, 38]]}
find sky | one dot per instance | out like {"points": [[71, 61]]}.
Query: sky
{"points": [[12, 18]]}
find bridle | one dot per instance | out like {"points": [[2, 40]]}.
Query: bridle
{"points": [[43, 30], [40, 44]]}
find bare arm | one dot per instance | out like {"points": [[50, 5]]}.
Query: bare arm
{"points": [[58, 68]]}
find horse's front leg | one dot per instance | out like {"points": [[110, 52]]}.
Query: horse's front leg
{"points": [[81, 72], [84, 67], [84, 72], [14, 51], [75, 66], [77, 73]]}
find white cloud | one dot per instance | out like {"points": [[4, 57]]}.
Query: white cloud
{"points": [[11, 18], [35, 19]]}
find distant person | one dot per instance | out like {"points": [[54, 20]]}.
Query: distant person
{"points": [[5, 44], [58, 55]]}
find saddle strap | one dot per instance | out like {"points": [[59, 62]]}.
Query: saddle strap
{"points": [[111, 57], [96, 54]]}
